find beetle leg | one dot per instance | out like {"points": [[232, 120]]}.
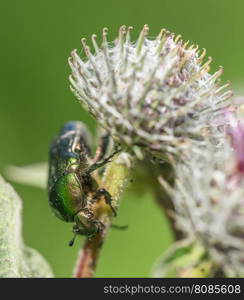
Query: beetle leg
{"points": [[86, 224], [120, 227], [107, 197], [100, 164], [102, 147]]}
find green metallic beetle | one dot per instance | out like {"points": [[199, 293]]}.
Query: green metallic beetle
{"points": [[71, 187]]}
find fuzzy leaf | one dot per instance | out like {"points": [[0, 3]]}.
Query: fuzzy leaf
{"points": [[33, 175], [16, 260]]}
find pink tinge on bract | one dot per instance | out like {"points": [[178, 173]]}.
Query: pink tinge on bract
{"points": [[236, 133]]}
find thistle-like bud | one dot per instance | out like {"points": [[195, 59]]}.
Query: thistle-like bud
{"points": [[209, 201], [152, 95]]}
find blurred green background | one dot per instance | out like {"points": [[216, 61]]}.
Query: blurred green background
{"points": [[36, 39]]}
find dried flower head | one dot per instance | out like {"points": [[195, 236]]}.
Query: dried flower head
{"points": [[209, 202], [152, 94]]}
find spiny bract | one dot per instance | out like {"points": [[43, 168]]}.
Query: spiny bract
{"points": [[152, 95], [208, 198]]}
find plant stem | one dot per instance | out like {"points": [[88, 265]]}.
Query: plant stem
{"points": [[114, 181]]}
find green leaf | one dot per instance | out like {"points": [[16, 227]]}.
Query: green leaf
{"points": [[185, 258], [16, 260]]}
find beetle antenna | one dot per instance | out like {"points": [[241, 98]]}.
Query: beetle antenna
{"points": [[71, 243]]}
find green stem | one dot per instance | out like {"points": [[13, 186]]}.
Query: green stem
{"points": [[114, 181]]}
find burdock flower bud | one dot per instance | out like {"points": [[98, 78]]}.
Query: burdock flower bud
{"points": [[152, 95], [208, 199]]}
